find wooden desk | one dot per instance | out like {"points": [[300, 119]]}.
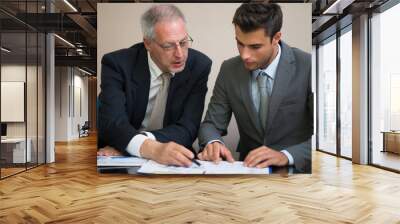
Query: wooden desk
{"points": [[391, 141]]}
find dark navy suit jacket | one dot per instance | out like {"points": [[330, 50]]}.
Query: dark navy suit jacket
{"points": [[125, 84]]}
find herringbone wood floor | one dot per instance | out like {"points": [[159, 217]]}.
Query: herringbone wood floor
{"points": [[71, 191]]}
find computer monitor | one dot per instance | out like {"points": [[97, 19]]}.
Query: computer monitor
{"points": [[3, 129]]}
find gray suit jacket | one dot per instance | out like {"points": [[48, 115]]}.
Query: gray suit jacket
{"points": [[290, 113]]}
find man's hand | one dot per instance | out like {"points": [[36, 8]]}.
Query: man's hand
{"points": [[215, 152], [108, 151], [166, 153], [263, 156]]}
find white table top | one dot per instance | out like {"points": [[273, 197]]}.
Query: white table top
{"points": [[13, 140]]}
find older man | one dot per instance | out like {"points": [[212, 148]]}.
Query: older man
{"points": [[152, 94]]}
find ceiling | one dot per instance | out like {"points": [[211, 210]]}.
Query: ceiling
{"points": [[76, 22]]}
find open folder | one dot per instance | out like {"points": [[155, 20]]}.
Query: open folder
{"points": [[223, 167]]}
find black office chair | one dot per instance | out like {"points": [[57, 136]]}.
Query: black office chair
{"points": [[84, 130]]}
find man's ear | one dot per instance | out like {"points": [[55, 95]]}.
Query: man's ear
{"points": [[276, 38], [147, 43]]}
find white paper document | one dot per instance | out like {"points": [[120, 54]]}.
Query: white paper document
{"points": [[120, 161], [223, 167]]}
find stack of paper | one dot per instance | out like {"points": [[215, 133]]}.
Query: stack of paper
{"points": [[223, 167], [232, 168]]}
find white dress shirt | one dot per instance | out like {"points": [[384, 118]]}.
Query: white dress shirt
{"points": [[136, 142]]}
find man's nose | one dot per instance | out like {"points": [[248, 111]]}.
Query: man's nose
{"points": [[245, 54], [178, 51]]}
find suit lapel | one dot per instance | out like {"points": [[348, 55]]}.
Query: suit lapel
{"points": [[244, 82], [141, 80], [176, 81], [284, 73]]}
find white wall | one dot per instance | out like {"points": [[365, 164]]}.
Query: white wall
{"points": [[213, 34], [70, 84], [80, 94], [62, 83]]}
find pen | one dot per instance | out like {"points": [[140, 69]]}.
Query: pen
{"points": [[196, 162]]}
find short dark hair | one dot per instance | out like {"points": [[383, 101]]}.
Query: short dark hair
{"points": [[255, 15]]}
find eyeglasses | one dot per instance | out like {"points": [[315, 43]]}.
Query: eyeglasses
{"points": [[184, 44]]}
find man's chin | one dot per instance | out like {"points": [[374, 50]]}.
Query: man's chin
{"points": [[177, 69], [250, 66]]}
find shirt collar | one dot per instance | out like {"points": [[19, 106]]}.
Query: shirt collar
{"points": [[155, 71], [271, 68]]}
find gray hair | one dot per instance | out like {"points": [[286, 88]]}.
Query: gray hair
{"points": [[156, 14]]}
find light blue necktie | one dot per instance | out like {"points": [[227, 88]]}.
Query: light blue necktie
{"points": [[264, 87]]}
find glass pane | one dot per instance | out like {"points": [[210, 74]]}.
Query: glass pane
{"points": [[41, 98], [314, 87], [346, 94], [31, 97], [386, 89], [13, 86], [327, 97]]}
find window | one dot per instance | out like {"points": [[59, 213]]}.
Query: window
{"points": [[385, 87], [22, 66], [346, 93], [327, 96]]}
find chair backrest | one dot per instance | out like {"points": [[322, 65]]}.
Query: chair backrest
{"points": [[86, 125]]}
